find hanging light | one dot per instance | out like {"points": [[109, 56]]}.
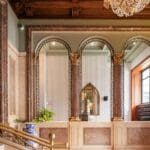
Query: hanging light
{"points": [[126, 7]]}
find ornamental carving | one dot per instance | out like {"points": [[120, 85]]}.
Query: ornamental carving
{"points": [[75, 58], [117, 58]]}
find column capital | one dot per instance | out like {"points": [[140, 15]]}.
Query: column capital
{"points": [[75, 58], [117, 57]]}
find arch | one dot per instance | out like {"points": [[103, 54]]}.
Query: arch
{"points": [[132, 74], [95, 38], [135, 39], [48, 39], [35, 69]]}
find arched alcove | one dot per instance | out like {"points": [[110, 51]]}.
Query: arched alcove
{"points": [[89, 101], [51, 75], [136, 60], [97, 70]]}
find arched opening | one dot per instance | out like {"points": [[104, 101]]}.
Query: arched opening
{"points": [[136, 78], [96, 69], [89, 101], [53, 77]]}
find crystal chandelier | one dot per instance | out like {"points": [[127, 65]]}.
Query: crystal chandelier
{"points": [[126, 7]]}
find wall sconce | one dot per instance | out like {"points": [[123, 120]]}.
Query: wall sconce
{"points": [[21, 26]]}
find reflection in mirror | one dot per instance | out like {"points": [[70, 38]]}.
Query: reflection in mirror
{"points": [[136, 85], [89, 100], [54, 78], [96, 70]]}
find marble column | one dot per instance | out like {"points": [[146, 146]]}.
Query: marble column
{"points": [[117, 87], [31, 79], [3, 62], [75, 91]]}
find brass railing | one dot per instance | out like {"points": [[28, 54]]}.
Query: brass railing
{"points": [[22, 138]]}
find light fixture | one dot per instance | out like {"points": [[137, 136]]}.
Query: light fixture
{"points": [[53, 43], [21, 26], [126, 7]]}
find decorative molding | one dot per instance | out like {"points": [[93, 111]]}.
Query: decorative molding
{"points": [[97, 136], [15, 51], [118, 57], [13, 48], [32, 86], [75, 58], [22, 54], [39, 28], [3, 62]]}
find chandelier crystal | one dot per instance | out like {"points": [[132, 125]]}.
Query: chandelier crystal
{"points": [[126, 7]]}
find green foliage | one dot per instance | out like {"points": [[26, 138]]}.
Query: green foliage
{"points": [[44, 115]]}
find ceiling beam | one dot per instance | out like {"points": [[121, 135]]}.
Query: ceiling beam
{"points": [[65, 4]]}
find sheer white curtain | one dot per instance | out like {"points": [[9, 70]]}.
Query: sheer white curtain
{"points": [[96, 69], [54, 79]]}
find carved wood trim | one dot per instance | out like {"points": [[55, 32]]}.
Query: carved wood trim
{"points": [[3, 62], [86, 28]]}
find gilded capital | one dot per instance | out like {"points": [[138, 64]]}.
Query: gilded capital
{"points": [[117, 58], [75, 58]]}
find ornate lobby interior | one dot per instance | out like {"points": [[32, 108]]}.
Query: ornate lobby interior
{"points": [[87, 62]]}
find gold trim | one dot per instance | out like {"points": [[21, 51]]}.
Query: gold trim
{"points": [[117, 119], [23, 135], [74, 119], [118, 57], [75, 58]]}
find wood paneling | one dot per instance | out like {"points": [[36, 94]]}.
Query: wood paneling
{"points": [[68, 9]]}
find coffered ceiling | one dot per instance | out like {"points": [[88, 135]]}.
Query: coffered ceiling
{"points": [[67, 9]]}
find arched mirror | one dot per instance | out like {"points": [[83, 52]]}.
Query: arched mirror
{"points": [[96, 80], [54, 79], [89, 100], [137, 79]]}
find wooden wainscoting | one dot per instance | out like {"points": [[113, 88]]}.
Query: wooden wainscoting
{"points": [[91, 136], [133, 135], [117, 135]]}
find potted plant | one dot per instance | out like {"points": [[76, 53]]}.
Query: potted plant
{"points": [[44, 115]]}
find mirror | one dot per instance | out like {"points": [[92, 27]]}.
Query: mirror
{"points": [[89, 100], [96, 81]]}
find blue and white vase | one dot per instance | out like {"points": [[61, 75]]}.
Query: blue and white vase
{"points": [[30, 128]]}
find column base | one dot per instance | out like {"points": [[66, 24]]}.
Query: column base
{"points": [[117, 119], [74, 119]]}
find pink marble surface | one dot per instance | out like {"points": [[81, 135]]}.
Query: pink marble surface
{"points": [[138, 136], [97, 136], [61, 134]]}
